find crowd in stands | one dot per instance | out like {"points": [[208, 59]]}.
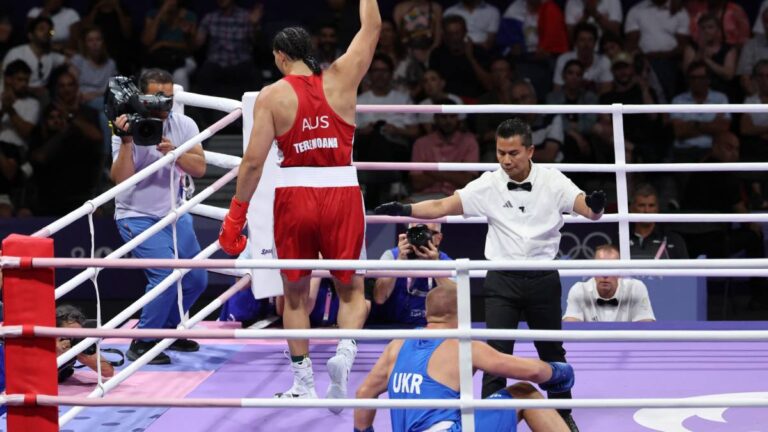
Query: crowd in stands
{"points": [[56, 64]]}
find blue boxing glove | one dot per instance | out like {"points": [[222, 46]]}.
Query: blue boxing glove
{"points": [[368, 429], [562, 378], [393, 209]]}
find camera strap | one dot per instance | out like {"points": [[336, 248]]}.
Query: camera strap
{"points": [[114, 363]]}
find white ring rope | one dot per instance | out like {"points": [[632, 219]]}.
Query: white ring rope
{"points": [[482, 404], [566, 167], [607, 218], [218, 213], [564, 109], [368, 334], [204, 101], [477, 274], [301, 264], [229, 161]]}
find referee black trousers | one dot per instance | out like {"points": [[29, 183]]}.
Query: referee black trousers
{"points": [[509, 294]]}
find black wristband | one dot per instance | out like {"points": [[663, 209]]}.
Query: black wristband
{"points": [[407, 210]]}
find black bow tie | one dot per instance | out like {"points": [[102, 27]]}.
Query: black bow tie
{"points": [[515, 186], [611, 302]]}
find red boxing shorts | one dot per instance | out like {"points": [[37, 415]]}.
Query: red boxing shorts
{"points": [[326, 218]]}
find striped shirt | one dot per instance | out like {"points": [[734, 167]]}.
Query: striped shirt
{"points": [[230, 37]]}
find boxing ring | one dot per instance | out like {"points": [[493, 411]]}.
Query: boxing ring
{"points": [[655, 366]]}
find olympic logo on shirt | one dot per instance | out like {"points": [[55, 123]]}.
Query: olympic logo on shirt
{"points": [[573, 247]]}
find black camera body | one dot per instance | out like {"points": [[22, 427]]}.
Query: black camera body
{"points": [[123, 97], [418, 236], [91, 350]]}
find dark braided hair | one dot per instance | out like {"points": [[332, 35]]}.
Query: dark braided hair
{"points": [[296, 43]]}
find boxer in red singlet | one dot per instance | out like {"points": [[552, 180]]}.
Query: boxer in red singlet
{"points": [[318, 207]]}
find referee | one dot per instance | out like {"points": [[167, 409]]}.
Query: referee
{"points": [[524, 204]]}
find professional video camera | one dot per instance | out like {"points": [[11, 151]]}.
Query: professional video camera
{"points": [[123, 97]]}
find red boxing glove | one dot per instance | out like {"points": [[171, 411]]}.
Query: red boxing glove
{"points": [[231, 236]]}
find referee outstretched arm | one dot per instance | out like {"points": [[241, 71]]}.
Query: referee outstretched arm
{"points": [[451, 206]]}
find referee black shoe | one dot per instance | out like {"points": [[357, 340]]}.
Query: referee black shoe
{"points": [[139, 348], [570, 422], [184, 345]]}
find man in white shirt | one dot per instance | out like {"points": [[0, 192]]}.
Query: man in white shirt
{"points": [[524, 204], [37, 55], [661, 31], [606, 15], [63, 19], [754, 50], [597, 67], [694, 132], [482, 21], [609, 298]]}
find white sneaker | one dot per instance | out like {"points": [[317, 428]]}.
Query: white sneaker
{"points": [[303, 382], [338, 369], [297, 391]]}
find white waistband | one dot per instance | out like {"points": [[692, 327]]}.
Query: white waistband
{"points": [[440, 427], [339, 176]]}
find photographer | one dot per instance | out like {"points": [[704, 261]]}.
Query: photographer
{"points": [[71, 317], [401, 300], [145, 203]]}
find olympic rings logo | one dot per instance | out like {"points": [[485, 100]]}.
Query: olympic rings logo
{"points": [[80, 252], [572, 247]]}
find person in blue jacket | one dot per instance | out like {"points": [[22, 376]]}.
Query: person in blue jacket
{"points": [[400, 301], [428, 369]]}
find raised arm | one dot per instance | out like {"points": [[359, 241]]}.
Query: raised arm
{"points": [[354, 63]]}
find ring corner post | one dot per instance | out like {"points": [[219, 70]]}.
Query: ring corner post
{"points": [[28, 298], [463, 298]]}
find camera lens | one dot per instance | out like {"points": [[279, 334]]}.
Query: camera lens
{"points": [[147, 132], [419, 235], [145, 129]]}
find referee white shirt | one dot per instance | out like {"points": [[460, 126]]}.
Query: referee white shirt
{"points": [[634, 303], [521, 224]]}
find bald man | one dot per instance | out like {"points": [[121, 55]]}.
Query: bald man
{"points": [[428, 369]]}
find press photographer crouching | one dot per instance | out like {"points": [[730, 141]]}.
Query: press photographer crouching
{"points": [[68, 316], [401, 301]]}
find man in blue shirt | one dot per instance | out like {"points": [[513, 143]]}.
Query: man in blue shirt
{"points": [[144, 204], [400, 301], [428, 369]]}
